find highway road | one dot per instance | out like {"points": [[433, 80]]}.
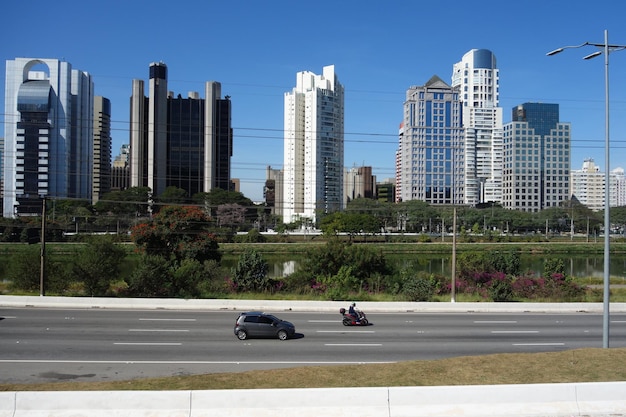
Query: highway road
{"points": [[53, 344]]}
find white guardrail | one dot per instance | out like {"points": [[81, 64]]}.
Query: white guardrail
{"points": [[532, 400], [545, 400]]}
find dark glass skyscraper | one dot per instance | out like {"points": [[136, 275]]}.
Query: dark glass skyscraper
{"points": [[185, 142]]}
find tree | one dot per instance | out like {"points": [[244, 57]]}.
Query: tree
{"points": [[178, 232], [132, 201], [97, 263], [172, 195], [230, 215], [24, 272], [250, 274]]}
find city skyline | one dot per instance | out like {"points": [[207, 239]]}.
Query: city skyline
{"points": [[376, 53]]}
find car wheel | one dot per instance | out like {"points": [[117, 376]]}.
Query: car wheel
{"points": [[282, 335], [242, 335]]}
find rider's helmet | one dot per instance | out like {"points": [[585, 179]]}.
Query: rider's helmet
{"points": [[353, 304]]}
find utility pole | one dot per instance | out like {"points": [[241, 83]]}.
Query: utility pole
{"points": [[42, 266]]}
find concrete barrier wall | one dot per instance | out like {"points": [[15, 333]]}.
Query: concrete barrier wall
{"points": [[297, 305], [545, 400]]}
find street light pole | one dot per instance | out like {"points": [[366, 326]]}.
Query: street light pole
{"points": [[606, 49]]}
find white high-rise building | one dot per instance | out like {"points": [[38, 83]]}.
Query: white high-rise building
{"points": [[314, 148], [477, 77], [48, 134], [587, 186]]}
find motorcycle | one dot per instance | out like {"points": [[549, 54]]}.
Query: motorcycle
{"points": [[350, 320]]}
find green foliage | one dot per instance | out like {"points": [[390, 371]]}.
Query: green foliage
{"points": [[250, 274], [342, 267], [132, 201], [186, 279], [353, 223], [172, 195], [342, 284], [420, 287], [24, 272], [177, 232], [470, 263], [553, 266], [213, 282], [151, 278], [501, 289], [97, 264], [253, 236]]}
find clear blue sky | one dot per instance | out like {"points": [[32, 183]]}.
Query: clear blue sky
{"points": [[379, 49]]}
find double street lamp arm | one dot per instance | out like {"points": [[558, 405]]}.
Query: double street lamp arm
{"points": [[604, 48]]}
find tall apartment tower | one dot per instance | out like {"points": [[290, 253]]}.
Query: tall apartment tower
{"points": [[314, 148], [477, 76], [430, 158], [537, 151], [176, 141], [48, 134], [101, 148]]}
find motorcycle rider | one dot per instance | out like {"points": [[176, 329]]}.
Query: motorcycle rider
{"points": [[354, 312]]}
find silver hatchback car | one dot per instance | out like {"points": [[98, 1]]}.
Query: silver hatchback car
{"points": [[259, 324]]}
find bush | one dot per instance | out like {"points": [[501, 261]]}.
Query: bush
{"points": [[501, 289], [420, 287], [24, 272], [151, 278], [250, 274]]}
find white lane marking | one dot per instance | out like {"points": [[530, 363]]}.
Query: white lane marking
{"points": [[324, 321], [514, 331], [346, 331], [538, 344], [495, 321], [618, 321], [198, 362], [158, 330], [352, 344], [148, 343], [167, 319]]}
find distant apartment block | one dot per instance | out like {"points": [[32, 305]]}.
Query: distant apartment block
{"points": [[477, 77], [273, 190], [48, 132], [386, 191], [430, 156], [313, 146], [120, 170], [587, 186], [536, 158], [359, 183]]}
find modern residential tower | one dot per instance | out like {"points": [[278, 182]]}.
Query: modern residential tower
{"points": [[314, 148], [477, 77], [48, 134]]}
